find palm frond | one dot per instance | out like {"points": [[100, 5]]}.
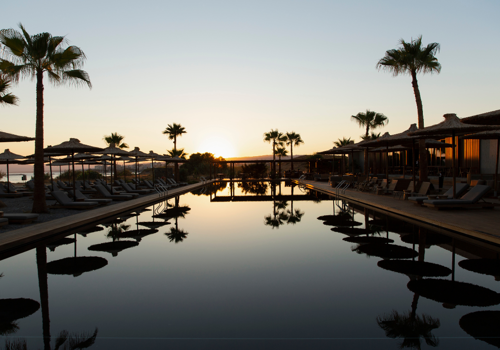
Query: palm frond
{"points": [[77, 76]]}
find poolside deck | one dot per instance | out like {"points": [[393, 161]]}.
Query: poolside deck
{"points": [[481, 223], [30, 235]]}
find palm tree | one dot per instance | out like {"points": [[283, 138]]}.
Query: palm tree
{"points": [[293, 139], [276, 138], [280, 152], [370, 120], [373, 136], [343, 142], [412, 58], [173, 131], [32, 56], [117, 139], [6, 98]]}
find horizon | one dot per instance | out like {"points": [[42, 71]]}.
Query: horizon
{"points": [[229, 72]]}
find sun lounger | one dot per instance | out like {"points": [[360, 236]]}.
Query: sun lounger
{"points": [[389, 189], [20, 218], [64, 186], [129, 189], [5, 194], [117, 197], [469, 200], [175, 183], [81, 197], [461, 188], [23, 191], [67, 203]]}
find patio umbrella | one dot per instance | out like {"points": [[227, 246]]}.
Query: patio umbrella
{"points": [[15, 309], [488, 118], [71, 147], [452, 126], [153, 156], [124, 159], [113, 247], [7, 156], [81, 157], [137, 153], [6, 137], [76, 265], [488, 135], [368, 240], [113, 151]]}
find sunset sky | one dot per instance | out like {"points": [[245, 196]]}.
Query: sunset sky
{"points": [[229, 71]]}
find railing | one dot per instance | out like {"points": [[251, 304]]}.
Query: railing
{"points": [[161, 190]]}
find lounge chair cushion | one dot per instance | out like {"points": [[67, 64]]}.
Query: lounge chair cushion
{"points": [[471, 197]]}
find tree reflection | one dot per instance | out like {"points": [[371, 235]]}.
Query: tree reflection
{"points": [[253, 187], [116, 231], [175, 234], [408, 325]]}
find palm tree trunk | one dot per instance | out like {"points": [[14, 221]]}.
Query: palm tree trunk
{"points": [[39, 204], [291, 155], [274, 160], [422, 153]]}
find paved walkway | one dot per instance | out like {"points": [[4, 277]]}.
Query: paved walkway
{"points": [[28, 235], [478, 223]]}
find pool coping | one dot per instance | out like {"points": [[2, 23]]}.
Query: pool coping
{"points": [[27, 235], [449, 220]]}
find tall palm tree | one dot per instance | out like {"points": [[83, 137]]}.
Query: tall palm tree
{"points": [[276, 138], [173, 131], [370, 120], [413, 58], [293, 139], [32, 56], [6, 98], [117, 139], [280, 152]]}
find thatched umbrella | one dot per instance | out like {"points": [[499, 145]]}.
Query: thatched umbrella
{"points": [[70, 147], [113, 151], [6, 137], [168, 159], [489, 118], [488, 135], [7, 156], [153, 156], [137, 153], [452, 126], [125, 159]]}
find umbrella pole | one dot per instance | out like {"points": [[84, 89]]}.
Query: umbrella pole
{"points": [[453, 165], [387, 166], [83, 172], [74, 183], [8, 182], [136, 172], [413, 161], [51, 178], [153, 169], [496, 168], [124, 178]]}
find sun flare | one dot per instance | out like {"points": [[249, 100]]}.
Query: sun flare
{"points": [[219, 147]]}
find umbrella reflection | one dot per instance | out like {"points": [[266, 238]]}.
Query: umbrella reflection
{"points": [[483, 325]]}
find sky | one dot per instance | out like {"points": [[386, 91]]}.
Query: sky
{"points": [[230, 71]]}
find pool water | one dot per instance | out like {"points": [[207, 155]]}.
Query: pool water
{"points": [[234, 269]]}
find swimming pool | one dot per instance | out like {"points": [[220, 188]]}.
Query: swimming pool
{"points": [[245, 267]]}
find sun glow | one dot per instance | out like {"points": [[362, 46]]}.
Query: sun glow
{"points": [[219, 147]]}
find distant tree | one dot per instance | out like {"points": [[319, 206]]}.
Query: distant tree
{"points": [[293, 139], [180, 154], [276, 138], [342, 142], [117, 139], [173, 131], [413, 58], [370, 120], [255, 170], [199, 164], [32, 56], [373, 136], [280, 152]]}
